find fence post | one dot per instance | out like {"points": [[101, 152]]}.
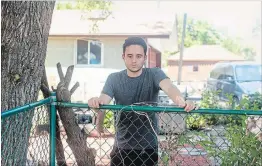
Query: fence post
{"points": [[53, 129]]}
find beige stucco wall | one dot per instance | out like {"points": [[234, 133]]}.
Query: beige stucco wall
{"points": [[188, 74], [91, 79], [63, 50], [60, 50]]}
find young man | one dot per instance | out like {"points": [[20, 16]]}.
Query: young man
{"points": [[135, 141]]}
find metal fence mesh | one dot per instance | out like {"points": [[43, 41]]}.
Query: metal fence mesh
{"points": [[182, 139], [177, 139], [25, 138]]}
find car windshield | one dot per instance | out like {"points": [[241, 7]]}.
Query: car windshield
{"points": [[248, 73]]}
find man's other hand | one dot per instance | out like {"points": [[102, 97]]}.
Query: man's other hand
{"points": [[188, 105]]}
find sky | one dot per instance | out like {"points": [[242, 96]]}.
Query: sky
{"points": [[234, 18], [237, 18]]}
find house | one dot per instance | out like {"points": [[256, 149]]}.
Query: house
{"points": [[95, 54], [198, 61]]}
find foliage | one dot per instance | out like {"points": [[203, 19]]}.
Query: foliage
{"points": [[251, 103], [85, 5], [165, 57], [102, 7], [199, 32], [209, 100], [243, 148], [109, 119], [238, 148], [234, 46], [196, 121]]}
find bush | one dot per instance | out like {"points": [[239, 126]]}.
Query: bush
{"points": [[244, 148], [210, 100], [109, 119], [196, 121]]}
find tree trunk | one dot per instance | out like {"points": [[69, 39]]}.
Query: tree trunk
{"points": [[76, 138], [25, 28]]}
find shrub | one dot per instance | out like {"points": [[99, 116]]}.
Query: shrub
{"points": [[244, 149]]}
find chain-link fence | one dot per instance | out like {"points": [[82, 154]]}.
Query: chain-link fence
{"points": [[211, 137], [149, 134], [25, 138]]}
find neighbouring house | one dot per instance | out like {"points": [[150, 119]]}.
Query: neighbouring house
{"points": [[96, 54], [198, 61]]}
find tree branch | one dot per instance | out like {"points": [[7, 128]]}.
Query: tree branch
{"points": [[60, 72], [44, 85], [76, 138], [60, 157], [74, 88], [68, 76]]}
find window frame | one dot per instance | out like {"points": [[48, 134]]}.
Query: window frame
{"points": [[88, 65], [195, 68]]}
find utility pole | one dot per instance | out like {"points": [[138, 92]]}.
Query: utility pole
{"points": [[182, 50], [158, 4]]}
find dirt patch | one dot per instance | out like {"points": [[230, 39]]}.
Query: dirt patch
{"points": [[185, 155]]}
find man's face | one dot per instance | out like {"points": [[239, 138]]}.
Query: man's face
{"points": [[134, 57]]}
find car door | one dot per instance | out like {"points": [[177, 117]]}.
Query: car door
{"points": [[220, 81], [228, 82], [220, 85], [212, 80]]}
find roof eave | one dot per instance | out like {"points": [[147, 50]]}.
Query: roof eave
{"points": [[199, 60], [155, 49], [145, 35]]}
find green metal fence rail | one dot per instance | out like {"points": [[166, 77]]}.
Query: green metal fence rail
{"points": [[202, 137], [163, 109]]}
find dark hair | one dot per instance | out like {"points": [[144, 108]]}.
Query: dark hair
{"points": [[135, 41]]}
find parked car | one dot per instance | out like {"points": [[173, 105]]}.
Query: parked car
{"points": [[186, 91], [236, 78], [163, 99], [83, 116]]}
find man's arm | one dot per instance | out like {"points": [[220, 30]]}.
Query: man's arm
{"points": [[172, 91], [96, 101], [105, 99], [161, 80], [175, 95]]}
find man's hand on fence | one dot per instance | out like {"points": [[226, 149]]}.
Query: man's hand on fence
{"points": [[94, 102], [188, 105]]}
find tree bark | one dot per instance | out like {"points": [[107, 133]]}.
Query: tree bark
{"points": [[76, 138], [25, 28]]}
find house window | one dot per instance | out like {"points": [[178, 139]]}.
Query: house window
{"points": [[89, 52], [195, 68]]}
